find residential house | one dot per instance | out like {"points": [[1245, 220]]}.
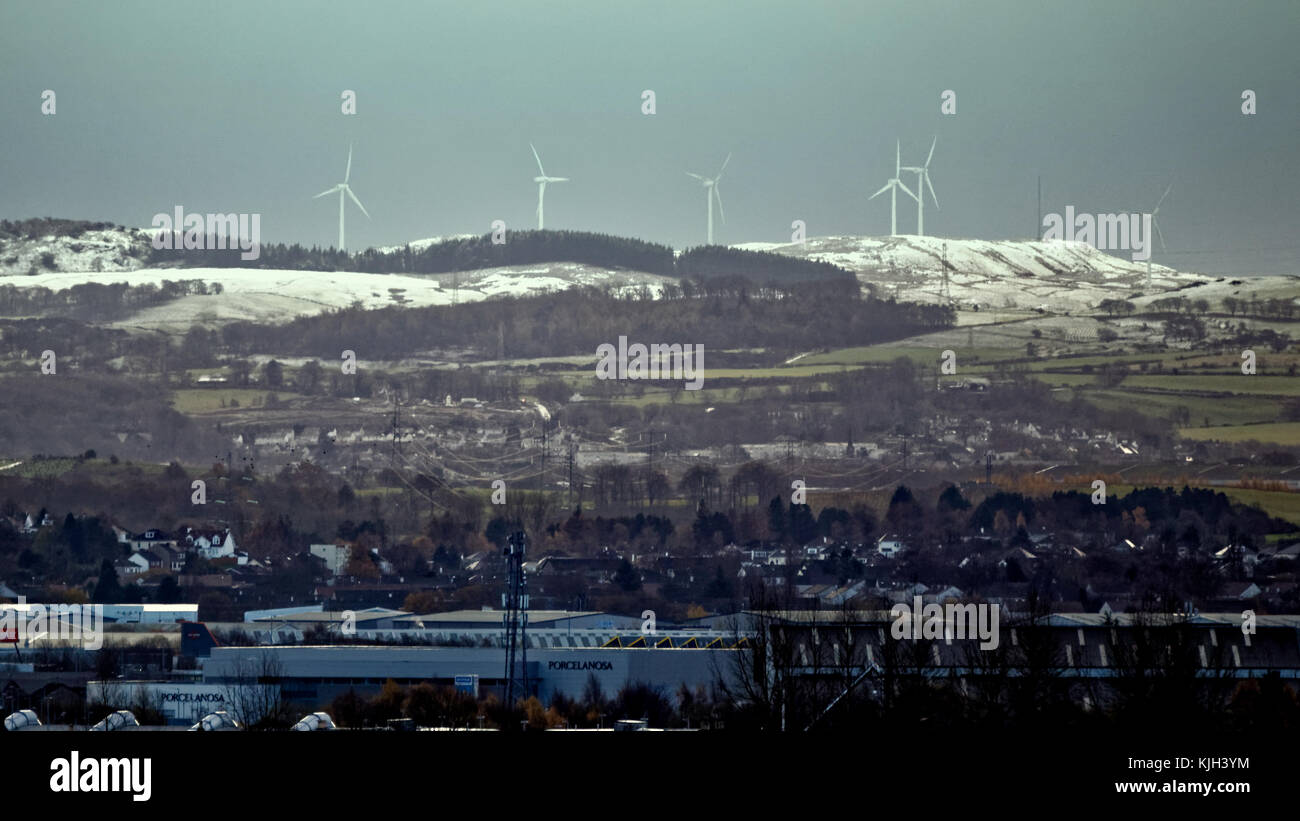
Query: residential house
{"points": [[151, 538], [890, 546], [212, 544], [133, 565]]}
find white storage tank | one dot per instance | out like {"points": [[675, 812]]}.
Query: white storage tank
{"points": [[220, 720], [21, 719], [314, 721], [116, 721]]}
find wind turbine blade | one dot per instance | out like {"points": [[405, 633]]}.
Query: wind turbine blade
{"points": [[717, 195], [1159, 233], [358, 202], [557, 179], [323, 193], [1162, 198], [724, 167], [906, 190], [348, 174], [696, 176], [898, 156], [931, 187], [932, 145], [539, 159], [881, 191]]}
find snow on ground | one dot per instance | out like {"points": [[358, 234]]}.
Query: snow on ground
{"points": [[259, 294], [106, 250], [421, 244], [987, 278], [1010, 274]]}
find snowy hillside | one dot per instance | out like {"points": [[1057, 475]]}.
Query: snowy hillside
{"points": [[1023, 274], [258, 294], [982, 274], [261, 294], [421, 244], [96, 250]]}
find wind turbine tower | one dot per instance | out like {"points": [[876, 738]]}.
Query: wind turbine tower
{"points": [[922, 183], [541, 181], [1159, 233], [343, 190], [712, 193], [892, 187]]}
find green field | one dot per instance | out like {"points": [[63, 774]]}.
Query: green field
{"points": [[1279, 503], [208, 400], [100, 470], [779, 372], [1281, 433], [1238, 383], [44, 468], [881, 354], [1230, 410]]}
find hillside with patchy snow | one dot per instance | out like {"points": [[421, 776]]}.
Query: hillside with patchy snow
{"points": [[272, 295], [1019, 274], [269, 295], [1015, 275], [95, 251]]}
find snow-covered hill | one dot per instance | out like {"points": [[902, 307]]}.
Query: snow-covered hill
{"points": [[1056, 275], [268, 295], [264, 295], [992, 274], [106, 251]]}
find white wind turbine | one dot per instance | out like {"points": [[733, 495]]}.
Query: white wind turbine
{"points": [[712, 193], [541, 181], [1156, 226], [892, 186], [923, 182], [343, 189]]}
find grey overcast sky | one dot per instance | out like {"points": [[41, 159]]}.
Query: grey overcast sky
{"points": [[235, 106]]}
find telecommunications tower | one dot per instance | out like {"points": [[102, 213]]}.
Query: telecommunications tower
{"points": [[515, 604]]}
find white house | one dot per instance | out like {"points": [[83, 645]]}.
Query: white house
{"points": [[890, 546], [213, 545]]}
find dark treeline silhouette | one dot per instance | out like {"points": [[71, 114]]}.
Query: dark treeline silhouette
{"points": [[521, 248], [458, 254], [579, 320], [38, 227], [1192, 517], [712, 261]]}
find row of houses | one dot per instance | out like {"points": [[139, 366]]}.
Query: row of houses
{"points": [[159, 550]]}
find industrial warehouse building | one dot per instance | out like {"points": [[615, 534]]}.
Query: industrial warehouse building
{"points": [[564, 651], [314, 676], [120, 613]]}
